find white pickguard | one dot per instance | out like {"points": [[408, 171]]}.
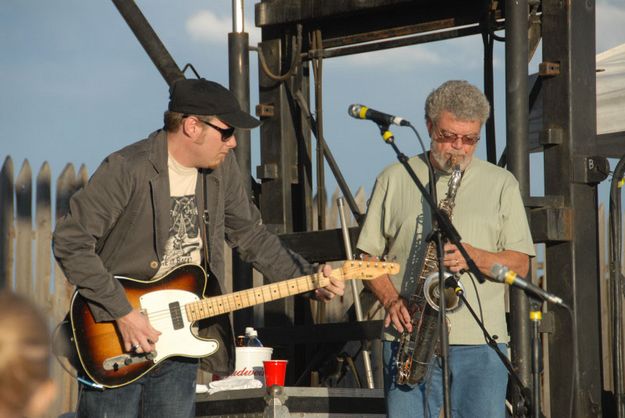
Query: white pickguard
{"points": [[174, 342]]}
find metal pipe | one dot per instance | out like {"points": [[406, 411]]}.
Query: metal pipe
{"points": [[366, 356], [238, 16], [149, 40], [517, 113], [317, 65], [340, 51], [239, 83], [310, 119]]}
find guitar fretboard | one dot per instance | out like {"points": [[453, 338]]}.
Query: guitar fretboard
{"points": [[218, 305]]}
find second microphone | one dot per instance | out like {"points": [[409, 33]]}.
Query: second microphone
{"points": [[363, 112]]}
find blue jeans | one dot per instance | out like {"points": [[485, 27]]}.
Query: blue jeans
{"points": [[167, 391], [478, 381]]}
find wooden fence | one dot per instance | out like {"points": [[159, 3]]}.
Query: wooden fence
{"points": [[27, 265], [25, 245]]}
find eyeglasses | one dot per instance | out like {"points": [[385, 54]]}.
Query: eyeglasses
{"points": [[226, 133], [450, 137]]}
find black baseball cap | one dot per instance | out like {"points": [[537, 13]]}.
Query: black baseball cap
{"points": [[204, 97]]}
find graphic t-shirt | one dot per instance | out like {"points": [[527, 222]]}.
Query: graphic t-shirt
{"points": [[184, 242]]}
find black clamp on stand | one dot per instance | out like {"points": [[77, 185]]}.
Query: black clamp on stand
{"points": [[443, 229]]}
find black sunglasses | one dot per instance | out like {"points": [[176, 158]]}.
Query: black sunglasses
{"points": [[226, 133]]}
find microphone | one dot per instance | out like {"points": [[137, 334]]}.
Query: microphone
{"points": [[504, 275], [363, 112]]}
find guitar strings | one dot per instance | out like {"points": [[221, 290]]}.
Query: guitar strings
{"points": [[229, 302]]}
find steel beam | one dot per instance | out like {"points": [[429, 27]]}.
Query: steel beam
{"points": [[572, 266], [239, 83], [371, 18], [285, 170], [150, 41], [278, 160], [517, 110]]}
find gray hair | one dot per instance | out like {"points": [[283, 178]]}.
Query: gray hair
{"points": [[460, 98]]}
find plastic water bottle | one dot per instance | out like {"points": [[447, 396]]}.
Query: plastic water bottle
{"points": [[248, 331], [252, 340]]}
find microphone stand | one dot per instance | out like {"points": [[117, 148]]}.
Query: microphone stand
{"points": [[442, 318], [536, 316], [444, 229], [526, 403]]}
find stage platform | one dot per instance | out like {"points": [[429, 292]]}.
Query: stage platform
{"points": [[279, 402]]}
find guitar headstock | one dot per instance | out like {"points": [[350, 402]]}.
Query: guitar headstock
{"points": [[368, 269]]}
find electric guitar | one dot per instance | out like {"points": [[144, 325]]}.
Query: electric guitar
{"points": [[172, 304]]}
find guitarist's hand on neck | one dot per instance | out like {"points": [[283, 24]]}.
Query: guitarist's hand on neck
{"points": [[335, 288], [138, 335]]}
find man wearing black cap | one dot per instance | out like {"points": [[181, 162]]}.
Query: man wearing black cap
{"points": [[167, 200]]}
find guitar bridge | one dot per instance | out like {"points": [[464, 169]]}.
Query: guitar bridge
{"points": [[125, 360]]}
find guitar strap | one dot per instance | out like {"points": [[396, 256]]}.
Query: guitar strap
{"points": [[218, 327], [204, 220]]}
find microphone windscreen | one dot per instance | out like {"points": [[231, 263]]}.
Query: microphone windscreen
{"points": [[498, 271], [354, 110]]}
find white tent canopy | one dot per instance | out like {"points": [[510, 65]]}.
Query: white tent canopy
{"points": [[610, 97], [611, 91]]}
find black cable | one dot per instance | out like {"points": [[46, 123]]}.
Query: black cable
{"points": [[492, 343], [616, 281], [296, 46], [55, 334], [479, 305], [573, 365], [189, 65], [487, 30]]}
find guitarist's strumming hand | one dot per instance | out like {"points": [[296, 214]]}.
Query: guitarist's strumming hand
{"points": [[335, 288], [138, 335]]}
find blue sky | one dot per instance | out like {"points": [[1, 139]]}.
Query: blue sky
{"points": [[76, 85]]}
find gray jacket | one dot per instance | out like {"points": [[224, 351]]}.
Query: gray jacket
{"points": [[118, 225]]}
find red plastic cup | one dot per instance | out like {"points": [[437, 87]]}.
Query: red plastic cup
{"points": [[275, 371]]}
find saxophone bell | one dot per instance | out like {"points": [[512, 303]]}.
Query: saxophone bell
{"points": [[432, 293]]}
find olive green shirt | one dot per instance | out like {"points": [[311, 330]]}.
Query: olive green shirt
{"points": [[488, 214]]}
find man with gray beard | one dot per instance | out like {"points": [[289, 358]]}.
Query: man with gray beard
{"points": [[491, 220]]}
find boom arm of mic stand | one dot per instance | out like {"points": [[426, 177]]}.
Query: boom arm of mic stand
{"points": [[524, 390]]}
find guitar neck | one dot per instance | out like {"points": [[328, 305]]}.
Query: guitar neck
{"points": [[219, 305]]}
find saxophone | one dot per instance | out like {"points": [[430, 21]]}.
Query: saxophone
{"points": [[416, 348]]}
